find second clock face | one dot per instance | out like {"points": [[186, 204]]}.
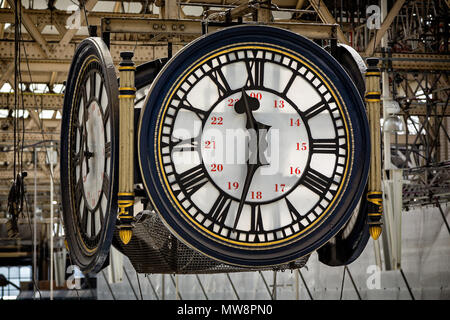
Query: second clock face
{"points": [[252, 146], [89, 136]]}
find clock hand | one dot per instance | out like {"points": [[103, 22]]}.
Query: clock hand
{"points": [[246, 105], [251, 165], [86, 152]]}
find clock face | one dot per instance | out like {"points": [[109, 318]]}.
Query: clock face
{"points": [[253, 150], [88, 140], [91, 155]]}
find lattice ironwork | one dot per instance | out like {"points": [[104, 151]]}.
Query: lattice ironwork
{"points": [[154, 249]]}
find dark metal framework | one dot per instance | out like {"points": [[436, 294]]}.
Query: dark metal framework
{"points": [[422, 150]]}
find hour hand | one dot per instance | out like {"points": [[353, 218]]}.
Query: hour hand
{"points": [[86, 153], [246, 104]]}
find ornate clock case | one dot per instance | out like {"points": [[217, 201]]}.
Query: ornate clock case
{"points": [[251, 151]]}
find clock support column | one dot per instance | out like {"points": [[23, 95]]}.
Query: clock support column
{"points": [[374, 195], [127, 93]]}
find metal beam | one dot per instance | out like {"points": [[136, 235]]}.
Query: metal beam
{"points": [[70, 33], [299, 4], [326, 17], [6, 74], [2, 25], [175, 28], [413, 61], [32, 29], [7, 136], [143, 53], [171, 9], [423, 110], [48, 17], [42, 69], [233, 13]]}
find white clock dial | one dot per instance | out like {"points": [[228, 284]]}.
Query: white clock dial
{"points": [[225, 151], [88, 157], [93, 179], [92, 155], [253, 146]]}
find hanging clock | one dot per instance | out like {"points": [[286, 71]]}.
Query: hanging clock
{"points": [[89, 140], [254, 146]]}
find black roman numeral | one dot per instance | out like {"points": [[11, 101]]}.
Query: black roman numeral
{"points": [[256, 222], [295, 215], [220, 81], [316, 182], [79, 189], [193, 179], [76, 158], [92, 224], [84, 219], [100, 92], [106, 185], [100, 212], [106, 117], [189, 144], [201, 114], [108, 149], [219, 210], [289, 84], [329, 146], [92, 85], [255, 73], [315, 110]]}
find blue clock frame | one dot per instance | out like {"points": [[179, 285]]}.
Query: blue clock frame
{"points": [[359, 145]]}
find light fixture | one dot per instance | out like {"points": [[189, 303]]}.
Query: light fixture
{"points": [[393, 124]]}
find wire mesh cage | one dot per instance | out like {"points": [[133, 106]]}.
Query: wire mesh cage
{"points": [[154, 249]]}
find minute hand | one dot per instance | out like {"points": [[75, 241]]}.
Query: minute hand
{"points": [[251, 165]]}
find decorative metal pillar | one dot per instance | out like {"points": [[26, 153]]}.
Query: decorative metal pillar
{"points": [[374, 195], [127, 93]]}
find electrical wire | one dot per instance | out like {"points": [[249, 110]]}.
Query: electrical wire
{"points": [[32, 233], [139, 285], [33, 145], [18, 12], [342, 284], [143, 15], [16, 64], [44, 142], [85, 14], [17, 82]]}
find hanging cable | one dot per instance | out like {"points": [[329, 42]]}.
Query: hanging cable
{"points": [[15, 196], [16, 65], [342, 284], [85, 14], [19, 185], [143, 15]]}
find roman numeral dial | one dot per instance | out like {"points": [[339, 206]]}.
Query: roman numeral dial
{"points": [[257, 104], [88, 152]]}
